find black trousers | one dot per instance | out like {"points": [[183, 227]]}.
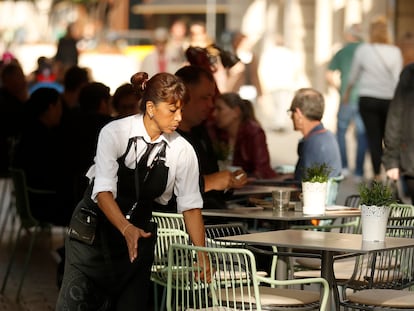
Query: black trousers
{"points": [[374, 112], [101, 277], [409, 187]]}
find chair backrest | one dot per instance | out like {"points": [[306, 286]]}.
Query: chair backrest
{"points": [[386, 269], [332, 189], [351, 224], [169, 220], [22, 198], [352, 200], [222, 230], [165, 238], [401, 215]]}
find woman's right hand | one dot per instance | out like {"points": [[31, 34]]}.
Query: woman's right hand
{"points": [[132, 235]]}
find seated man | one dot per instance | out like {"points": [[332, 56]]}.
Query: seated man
{"points": [[318, 144], [202, 88]]}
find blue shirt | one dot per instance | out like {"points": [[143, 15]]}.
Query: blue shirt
{"points": [[319, 146]]}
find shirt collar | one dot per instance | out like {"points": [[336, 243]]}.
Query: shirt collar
{"points": [[138, 130]]}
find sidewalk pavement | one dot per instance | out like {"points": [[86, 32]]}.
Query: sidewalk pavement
{"points": [[39, 292]]}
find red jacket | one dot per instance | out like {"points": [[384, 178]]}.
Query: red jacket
{"points": [[250, 151]]}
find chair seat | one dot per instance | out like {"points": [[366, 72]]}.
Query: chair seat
{"points": [[384, 297], [276, 296], [343, 268]]}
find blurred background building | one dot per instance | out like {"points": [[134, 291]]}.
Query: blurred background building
{"points": [[115, 35]]}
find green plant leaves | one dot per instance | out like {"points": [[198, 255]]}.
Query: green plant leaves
{"points": [[377, 194], [317, 172]]}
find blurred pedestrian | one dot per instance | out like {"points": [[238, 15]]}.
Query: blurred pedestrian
{"points": [[278, 72], [376, 67], [398, 157], [161, 59], [243, 77], [67, 53], [348, 111]]}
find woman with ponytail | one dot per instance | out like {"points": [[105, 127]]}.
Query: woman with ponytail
{"points": [[139, 160]]}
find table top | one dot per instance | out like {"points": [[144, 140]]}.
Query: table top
{"points": [[267, 214], [260, 189], [318, 240]]}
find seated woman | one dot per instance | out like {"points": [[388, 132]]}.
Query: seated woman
{"points": [[242, 136]]}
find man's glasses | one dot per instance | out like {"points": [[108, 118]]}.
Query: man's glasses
{"points": [[290, 112]]}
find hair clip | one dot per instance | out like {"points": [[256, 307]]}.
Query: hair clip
{"points": [[144, 84]]}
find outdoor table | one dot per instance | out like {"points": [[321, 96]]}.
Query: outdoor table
{"points": [[326, 243], [283, 218]]}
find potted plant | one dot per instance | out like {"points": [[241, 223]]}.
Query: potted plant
{"points": [[314, 185], [375, 201]]}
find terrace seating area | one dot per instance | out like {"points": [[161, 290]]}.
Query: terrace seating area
{"points": [[237, 278]]}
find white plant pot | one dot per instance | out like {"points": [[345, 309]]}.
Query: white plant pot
{"points": [[314, 198], [374, 222]]}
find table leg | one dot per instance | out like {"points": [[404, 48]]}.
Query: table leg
{"points": [[282, 267], [327, 272]]}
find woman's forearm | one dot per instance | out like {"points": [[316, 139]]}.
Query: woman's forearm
{"points": [[195, 226], [110, 208]]}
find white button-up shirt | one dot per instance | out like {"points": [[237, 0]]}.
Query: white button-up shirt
{"points": [[181, 159]]}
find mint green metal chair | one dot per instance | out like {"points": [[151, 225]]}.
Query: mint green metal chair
{"points": [[383, 280], [170, 229], [232, 283]]}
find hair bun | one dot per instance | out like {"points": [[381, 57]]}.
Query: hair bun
{"points": [[138, 81]]}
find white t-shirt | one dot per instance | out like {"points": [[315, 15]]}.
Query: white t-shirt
{"points": [[377, 67], [183, 174]]}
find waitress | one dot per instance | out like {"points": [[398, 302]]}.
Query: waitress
{"points": [[139, 159]]}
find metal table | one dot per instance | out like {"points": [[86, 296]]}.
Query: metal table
{"points": [[326, 243]]}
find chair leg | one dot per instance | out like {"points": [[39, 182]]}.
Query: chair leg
{"points": [[6, 216], [155, 296], [11, 260], [5, 212], [164, 298], [26, 264], [5, 187]]}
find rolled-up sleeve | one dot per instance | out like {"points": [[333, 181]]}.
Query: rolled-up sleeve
{"points": [[106, 166], [187, 187]]}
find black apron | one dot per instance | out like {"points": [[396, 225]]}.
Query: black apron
{"points": [[100, 276]]}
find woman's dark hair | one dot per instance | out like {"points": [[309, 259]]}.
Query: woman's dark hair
{"points": [[40, 100], [75, 77], [91, 96], [234, 100], [162, 87], [192, 74], [123, 91]]}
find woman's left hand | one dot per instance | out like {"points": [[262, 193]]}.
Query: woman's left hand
{"points": [[132, 235]]}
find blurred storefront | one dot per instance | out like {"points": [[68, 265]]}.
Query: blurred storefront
{"points": [[311, 29]]}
